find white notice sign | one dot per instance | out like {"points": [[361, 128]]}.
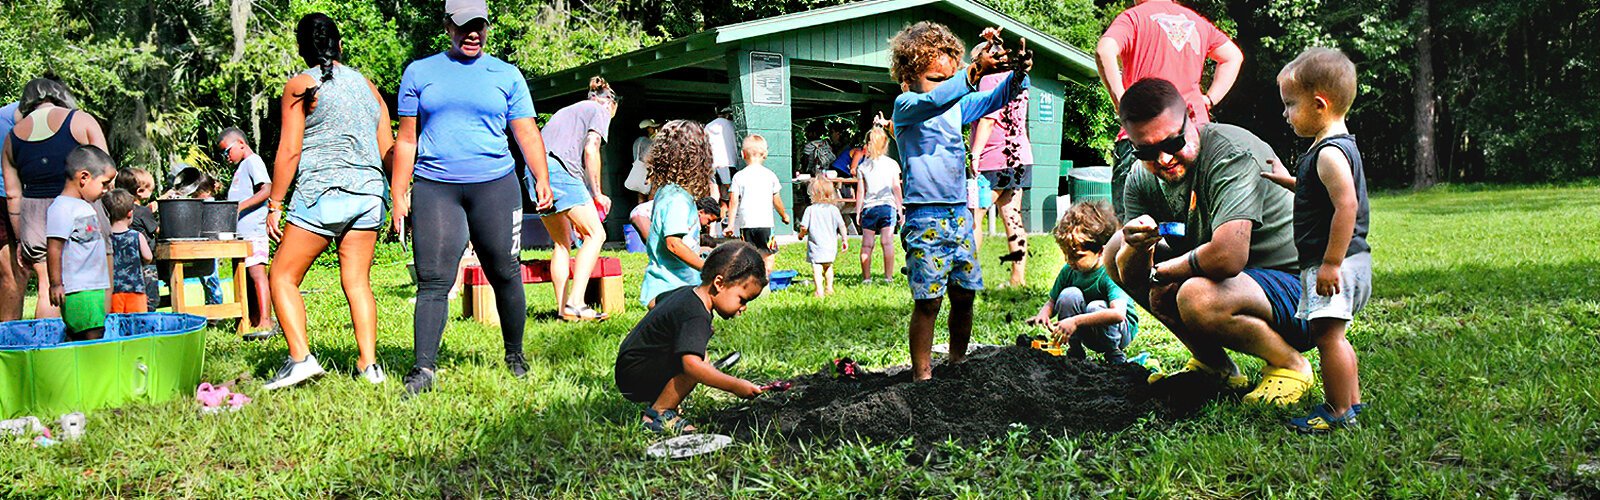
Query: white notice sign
{"points": [[766, 78]]}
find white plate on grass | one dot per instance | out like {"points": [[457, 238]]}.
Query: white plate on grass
{"points": [[688, 445]]}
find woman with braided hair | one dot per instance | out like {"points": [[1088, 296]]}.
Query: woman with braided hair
{"points": [[334, 139]]}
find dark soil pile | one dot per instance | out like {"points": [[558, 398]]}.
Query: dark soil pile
{"points": [[972, 401]]}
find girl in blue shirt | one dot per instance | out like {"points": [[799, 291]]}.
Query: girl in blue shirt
{"points": [[454, 110]]}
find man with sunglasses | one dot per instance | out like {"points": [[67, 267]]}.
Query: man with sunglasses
{"points": [[1227, 283]]}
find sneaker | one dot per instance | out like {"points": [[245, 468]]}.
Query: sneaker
{"points": [[420, 380], [373, 374], [1116, 356], [517, 365], [72, 426], [1322, 421], [293, 373]]}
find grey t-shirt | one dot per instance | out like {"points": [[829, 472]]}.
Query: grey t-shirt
{"points": [[822, 222], [83, 251], [252, 172], [568, 129], [1224, 185]]}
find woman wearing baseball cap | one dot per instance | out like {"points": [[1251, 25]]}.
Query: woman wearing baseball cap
{"points": [[454, 109]]}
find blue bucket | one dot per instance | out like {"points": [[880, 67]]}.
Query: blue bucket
{"points": [[631, 237], [779, 280]]}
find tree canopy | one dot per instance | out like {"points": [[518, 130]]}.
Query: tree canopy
{"points": [[1513, 83]]}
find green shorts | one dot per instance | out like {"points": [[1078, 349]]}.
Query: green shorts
{"points": [[84, 310]]}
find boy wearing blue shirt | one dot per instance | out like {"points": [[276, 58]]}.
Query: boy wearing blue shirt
{"points": [[940, 96]]}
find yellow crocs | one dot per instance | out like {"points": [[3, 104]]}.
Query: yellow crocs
{"points": [[1280, 386], [1234, 382]]}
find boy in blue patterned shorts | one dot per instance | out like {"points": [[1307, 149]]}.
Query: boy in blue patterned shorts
{"points": [[939, 97]]}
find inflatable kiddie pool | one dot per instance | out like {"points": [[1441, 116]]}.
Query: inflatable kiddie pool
{"points": [[146, 357]]}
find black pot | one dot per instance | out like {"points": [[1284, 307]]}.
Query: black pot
{"points": [[219, 217], [180, 218]]}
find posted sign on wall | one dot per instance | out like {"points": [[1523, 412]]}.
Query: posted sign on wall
{"points": [[766, 78]]}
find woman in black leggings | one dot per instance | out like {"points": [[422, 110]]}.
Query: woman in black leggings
{"points": [[454, 109]]}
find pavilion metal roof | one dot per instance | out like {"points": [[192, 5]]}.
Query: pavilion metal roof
{"points": [[705, 47]]}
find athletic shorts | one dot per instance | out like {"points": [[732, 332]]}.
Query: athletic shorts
{"points": [[641, 381], [31, 242], [1355, 287], [129, 302], [335, 213], [1010, 179], [877, 218], [758, 236], [938, 246], [1283, 293], [84, 310], [261, 251]]}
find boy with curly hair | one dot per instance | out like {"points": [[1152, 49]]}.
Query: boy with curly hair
{"points": [[939, 96], [1086, 308]]}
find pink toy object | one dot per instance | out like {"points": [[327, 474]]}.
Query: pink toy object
{"points": [[214, 399]]}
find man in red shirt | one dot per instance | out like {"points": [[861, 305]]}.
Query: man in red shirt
{"points": [[1161, 39]]}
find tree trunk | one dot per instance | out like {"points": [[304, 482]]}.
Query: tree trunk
{"points": [[1426, 160], [239, 20]]}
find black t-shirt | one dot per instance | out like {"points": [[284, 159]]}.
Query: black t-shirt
{"points": [[144, 221], [680, 324]]}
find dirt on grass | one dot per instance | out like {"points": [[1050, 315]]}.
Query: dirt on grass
{"points": [[972, 401]]}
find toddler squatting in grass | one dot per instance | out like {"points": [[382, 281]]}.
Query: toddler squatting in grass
{"points": [[1330, 224], [939, 96], [663, 358], [75, 255], [1086, 308]]}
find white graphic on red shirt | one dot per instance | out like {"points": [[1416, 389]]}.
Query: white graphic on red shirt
{"points": [[1180, 31]]}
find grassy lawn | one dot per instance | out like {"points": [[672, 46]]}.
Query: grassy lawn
{"points": [[1478, 355]]}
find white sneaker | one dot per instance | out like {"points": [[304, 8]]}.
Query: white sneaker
{"points": [[373, 374], [294, 373]]}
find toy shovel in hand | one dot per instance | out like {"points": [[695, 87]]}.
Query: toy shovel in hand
{"points": [[780, 386]]}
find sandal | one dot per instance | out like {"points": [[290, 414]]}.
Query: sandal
{"points": [[1233, 381], [1322, 421], [665, 422], [585, 313], [1280, 386]]}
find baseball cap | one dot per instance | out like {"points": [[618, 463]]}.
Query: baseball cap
{"points": [[649, 122], [462, 12]]}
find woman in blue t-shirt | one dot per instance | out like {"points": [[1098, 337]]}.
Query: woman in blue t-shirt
{"points": [[573, 138], [454, 110]]}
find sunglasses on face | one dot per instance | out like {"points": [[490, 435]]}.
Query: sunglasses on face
{"points": [[1171, 145]]}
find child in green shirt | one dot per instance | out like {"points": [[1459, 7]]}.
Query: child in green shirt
{"points": [[1086, 309]]}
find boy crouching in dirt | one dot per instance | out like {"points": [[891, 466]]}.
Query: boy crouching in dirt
{"points": [[664, 358], [1086, 308]]}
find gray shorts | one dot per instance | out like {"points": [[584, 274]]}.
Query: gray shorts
{"points": [[31, 242], [1355, 287]]}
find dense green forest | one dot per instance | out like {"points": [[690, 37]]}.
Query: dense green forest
{"points": [[1491, 90]]}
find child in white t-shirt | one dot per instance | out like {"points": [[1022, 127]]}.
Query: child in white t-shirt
{"points": [[76, 256], [750, 187], [823, 228]]}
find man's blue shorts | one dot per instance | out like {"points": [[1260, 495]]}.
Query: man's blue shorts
{"points": [[1283, 293], [938, 246]]}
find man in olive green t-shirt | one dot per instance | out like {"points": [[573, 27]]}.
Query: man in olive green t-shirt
{"points": [[1228, 282]]}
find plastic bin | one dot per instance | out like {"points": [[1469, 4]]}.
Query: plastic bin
{"points": [[146, 357], [780, 280], [1090, 183]]}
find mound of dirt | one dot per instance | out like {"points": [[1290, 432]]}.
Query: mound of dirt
{"points": [[973, 401]]}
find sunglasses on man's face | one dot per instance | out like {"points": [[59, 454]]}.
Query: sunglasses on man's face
{"points": [[1171, 145]]}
